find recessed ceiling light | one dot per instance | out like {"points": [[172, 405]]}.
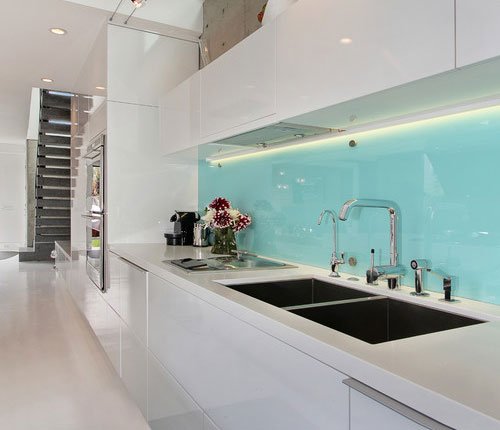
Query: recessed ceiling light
{"points": [[346, 41], [138, 3], [58, 31], [100, 88], [48, 80]]}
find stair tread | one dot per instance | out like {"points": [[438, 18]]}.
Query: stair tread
{"points": [[55, 113], [53, 222], [49, 150], [54, 172], [44, 140], [53, 192], [46, 161], [53, 203]]}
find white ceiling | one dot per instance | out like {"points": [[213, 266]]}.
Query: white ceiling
{"points": [[29, 51]]}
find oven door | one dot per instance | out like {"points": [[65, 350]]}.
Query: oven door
{"points": [[95, 249], [95, 176]]}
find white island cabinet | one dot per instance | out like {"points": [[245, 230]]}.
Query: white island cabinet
{"points": [[169, 406], [242, 378], [331, 51], [478, 31], [240, 86], [370, 409]]}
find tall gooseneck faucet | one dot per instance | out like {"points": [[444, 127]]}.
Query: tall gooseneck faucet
{"points": [[335, 261], [394, 270]]}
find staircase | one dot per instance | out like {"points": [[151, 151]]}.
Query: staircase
{"points": [[53, 181]]}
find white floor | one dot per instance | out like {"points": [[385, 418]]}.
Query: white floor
{"points": [[53, 373]]}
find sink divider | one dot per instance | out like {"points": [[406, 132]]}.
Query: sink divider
{"points": [[334, 302]]}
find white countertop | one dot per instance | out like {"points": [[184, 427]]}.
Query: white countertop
{"points": [[452, 376]]}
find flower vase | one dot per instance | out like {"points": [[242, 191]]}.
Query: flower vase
{"points": [[224, 241]]}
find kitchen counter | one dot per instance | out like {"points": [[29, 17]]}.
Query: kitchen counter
{"points": [[451, 376]]}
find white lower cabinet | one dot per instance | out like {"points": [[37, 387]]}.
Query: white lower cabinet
{"points": [[133, 298], [112, 295], [208, 424], [134, 367], [169, 406], [243, 378], [109, 337], [370, 409]]}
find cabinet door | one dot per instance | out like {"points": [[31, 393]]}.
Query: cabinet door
{"points": [[240, 86], [478, 32], [169, 406], [243, 378], [134, 367], [208, 424], [112, 294], [143, 64], [133, 298], [331, 51], [109, 337], [180, 116], [377, 411]]}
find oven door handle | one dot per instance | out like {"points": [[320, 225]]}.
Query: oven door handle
{"points": [[92, 215]]}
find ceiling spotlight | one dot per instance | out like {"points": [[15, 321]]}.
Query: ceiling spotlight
{"points": [[58, 31], [345, 41], [47, 80], [139, 3], [100, 88]]}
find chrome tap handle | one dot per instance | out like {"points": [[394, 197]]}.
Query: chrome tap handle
{"points": [[372, 274], [336, 262]]}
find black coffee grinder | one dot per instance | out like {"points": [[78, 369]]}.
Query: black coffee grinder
{"points": [[183, 228]]}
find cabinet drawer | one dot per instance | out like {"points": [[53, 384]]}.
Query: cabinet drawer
{"points": [[243, 378], [372, 409], [169, 406], [134, 367], [133, 298]]}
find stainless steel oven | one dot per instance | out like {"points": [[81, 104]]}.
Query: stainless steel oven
{"points": [[96, 212]]}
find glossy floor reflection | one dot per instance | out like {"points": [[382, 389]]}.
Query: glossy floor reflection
{"points": [[53, 372]]}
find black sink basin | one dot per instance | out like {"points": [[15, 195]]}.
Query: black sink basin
{"points": [[381, 319], [298, 292]]}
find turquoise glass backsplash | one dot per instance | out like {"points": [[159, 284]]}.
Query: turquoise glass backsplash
{"points": [[444, 174]]}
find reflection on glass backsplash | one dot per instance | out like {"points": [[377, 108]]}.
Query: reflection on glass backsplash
{"points": [[443, 173]]}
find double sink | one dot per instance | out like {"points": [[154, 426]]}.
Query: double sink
{"points": [[369, 317]]}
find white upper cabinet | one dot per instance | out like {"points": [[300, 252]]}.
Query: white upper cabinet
{"points": [[180, 116], [240, 86], [331, 51], [142, 65], [478, 30]]}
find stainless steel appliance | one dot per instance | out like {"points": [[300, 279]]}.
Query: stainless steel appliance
{"points": [[183, 223], [96, 212], [242, 261]]}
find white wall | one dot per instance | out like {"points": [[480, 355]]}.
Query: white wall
{"points": [[143, 188], [12, 197], [91, 124]]}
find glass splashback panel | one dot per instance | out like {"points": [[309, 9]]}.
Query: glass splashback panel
{"points": [[444, 173]]}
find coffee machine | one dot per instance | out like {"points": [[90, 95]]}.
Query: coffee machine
{"points": [[183, 228]]}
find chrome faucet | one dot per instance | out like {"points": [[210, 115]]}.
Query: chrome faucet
{"points": [[334, 261], [421, 267], [448, 280], [394, 270]]}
